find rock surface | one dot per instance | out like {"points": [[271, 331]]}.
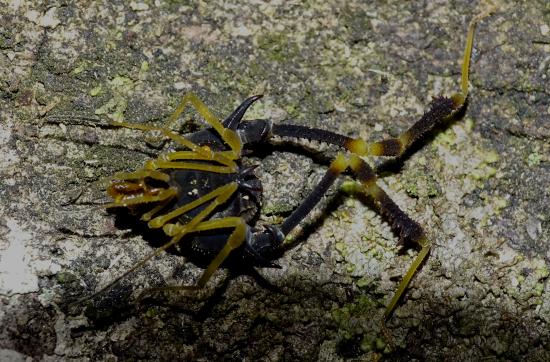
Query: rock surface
{"points": [[479, 186]]}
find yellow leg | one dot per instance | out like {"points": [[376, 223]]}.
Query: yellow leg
{"points": [[237, 237], [181, 231], [468, 50], [148, 215], [141, 174], [235, 240], [440, 110], [168, 133], [165, 160], [204, 151], [399, 221], [163, 195], [228, 136], [156, 164], [407, 278], [219, 196], [190, 155]]}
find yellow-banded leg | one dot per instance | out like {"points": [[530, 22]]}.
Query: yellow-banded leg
{"points": [[228, 136], [408, 229], [235, 240], [177, 231], [441, 109], [203, 153]]}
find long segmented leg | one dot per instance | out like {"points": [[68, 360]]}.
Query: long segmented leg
{"points": [[235, 240], [201, 153], [168, 133], [174, 160], [159, 221], [122, 189], [177, 231], [156, 165], [162, 196], [440, 110], [219, 195], [161, 205], [228, 135], [408, 229], [140, 174]]}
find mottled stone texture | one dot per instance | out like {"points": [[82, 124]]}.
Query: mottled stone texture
{"points": [[479, 186]]}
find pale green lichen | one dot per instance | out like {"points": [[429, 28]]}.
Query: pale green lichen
{"points": [[493, 205], [364, 282], [420, 184], [81, 66], [365, 247], [482, 170], [527, 281], [143, 69], [121, 87], [534, 159], [464, 159], [96, 91], [277, 46], [355, 319]]}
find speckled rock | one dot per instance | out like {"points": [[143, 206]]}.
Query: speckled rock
{"points": [[479, 186]]}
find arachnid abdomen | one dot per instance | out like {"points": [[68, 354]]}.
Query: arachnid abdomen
{"points": [[244, 203]]}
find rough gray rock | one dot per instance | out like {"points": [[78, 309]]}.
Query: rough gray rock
{"points": [[479, 186]]}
